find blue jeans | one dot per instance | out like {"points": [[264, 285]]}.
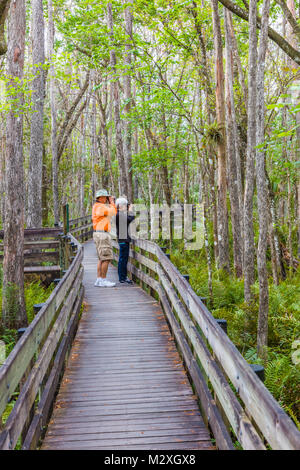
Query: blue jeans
{"points": [[123, 259]]}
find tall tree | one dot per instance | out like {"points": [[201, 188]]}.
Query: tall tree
{"points": [[94, 136], [293, 32], [128, 97], [248, 263], [244, 13], [123, 186], [13, 304], [4, 6], [262, 191], [233, 155], [2, 171], [106, 148], [223, 237], [54, 146], [34, 206]]}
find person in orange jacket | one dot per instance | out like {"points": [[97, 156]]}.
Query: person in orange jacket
{"points": [[103, 210]]}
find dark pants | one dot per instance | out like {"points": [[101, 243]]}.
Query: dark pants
{"points": [[123, 259]]}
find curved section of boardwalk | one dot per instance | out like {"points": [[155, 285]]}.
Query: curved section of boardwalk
{"points": [[125, 386]]}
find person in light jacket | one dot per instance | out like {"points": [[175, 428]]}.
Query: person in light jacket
{"points": [[123, 218]]}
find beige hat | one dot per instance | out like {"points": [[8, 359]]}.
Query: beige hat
{"points": [[102, 192]]}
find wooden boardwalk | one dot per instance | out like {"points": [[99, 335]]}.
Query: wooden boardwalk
{"points": [[125, 386]]}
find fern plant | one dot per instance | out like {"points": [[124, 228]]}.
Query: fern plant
{"points": [[283, 381]]}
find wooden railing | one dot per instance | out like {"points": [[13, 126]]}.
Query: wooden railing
{"points": [[33, 369], [233, 400], [81, 228], [41, 246]]}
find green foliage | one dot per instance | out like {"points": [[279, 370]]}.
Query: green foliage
{"points": [[35, 293], [283, 381], [10, 295], [214, 133]]}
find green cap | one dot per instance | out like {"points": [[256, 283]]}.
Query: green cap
{"points": [[102, 192]]}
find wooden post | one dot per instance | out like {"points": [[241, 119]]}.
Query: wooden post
{"points": [[222, 323], [151, 290], [66, 220], [66, 229], [37, 308], [259, 371], [203, 299], [20, 333], [61, 250], [187, 278]]}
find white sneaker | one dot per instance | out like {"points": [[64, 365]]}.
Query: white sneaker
{"points": [[106, 283], [98, 282]]}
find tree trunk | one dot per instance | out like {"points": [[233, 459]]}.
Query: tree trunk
{"points": [[293, 53], [83, 158], [236, 216], [54, 149], [298, 217], [223, 236], [128, 98], [4, 7], [235, 129], [204, 200], [106, 141], [137, 176], [34, 208], [123, 186], [94, 138], [136, 185], [248, 263], [13, 302], [79, 170], [45, 198], [238, 61], [213, 206], [294, 40], [273, 254], [205, 71], [2, 174], [262, 193], [289, 221]]}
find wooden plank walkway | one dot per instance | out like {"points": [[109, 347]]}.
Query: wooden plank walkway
{"points": [[125, 386]]}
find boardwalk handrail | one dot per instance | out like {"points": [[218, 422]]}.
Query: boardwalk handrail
{"points": [[35, 364], [40, 245], [81, 228], [208, 352]]}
